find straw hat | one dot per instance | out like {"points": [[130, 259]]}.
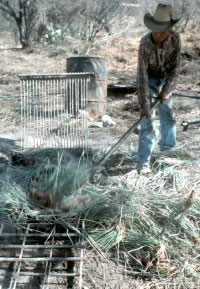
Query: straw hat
{"points": [[162, 19]]}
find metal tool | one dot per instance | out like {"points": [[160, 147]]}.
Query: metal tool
{"points": [[186, 95], [122, 139], [83, 174], [187, 123]]}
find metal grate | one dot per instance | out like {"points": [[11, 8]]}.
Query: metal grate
{"points": [[54, 110], [41, 256]]}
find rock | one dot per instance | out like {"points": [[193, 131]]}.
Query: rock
{"points": [[107, 121], [98, 124]]}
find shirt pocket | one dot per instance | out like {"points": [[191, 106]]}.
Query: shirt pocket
{"points": [[169, 55], [153, 65]]}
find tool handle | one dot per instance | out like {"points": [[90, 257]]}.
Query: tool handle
{"points": [[186, 95], [125, 136]]}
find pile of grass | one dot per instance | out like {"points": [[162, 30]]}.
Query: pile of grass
{"points": [[152, 221]]}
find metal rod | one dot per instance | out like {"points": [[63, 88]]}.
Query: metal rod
{"points": [[40, 223], [123, 138], [32, 111], [41, 246], [82, 257], [37, 235], [85, 104], [28, 112], [39, 259], [65, 112], [187, 123], [22, 119], [192, 121], [42, 274], [54, 76], [18, 265], [76, 98], [61, 114], [1, 228], [58, 121], [186, 95], [48, 265], [73, 110]]}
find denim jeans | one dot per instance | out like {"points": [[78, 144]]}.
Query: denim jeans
{"points": [[147, 129]]}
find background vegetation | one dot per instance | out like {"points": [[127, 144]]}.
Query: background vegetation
{"points": [[45, 22]]}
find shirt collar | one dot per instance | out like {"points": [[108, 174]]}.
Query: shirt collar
{"points": [[165, 42]]}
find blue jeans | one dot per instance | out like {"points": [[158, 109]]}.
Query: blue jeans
{"points": [[167, 125]]}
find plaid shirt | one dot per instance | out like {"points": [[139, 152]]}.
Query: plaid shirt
{"points": [[159, 63]]}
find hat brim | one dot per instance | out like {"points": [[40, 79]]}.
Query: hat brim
{"points": [[156, 26]]}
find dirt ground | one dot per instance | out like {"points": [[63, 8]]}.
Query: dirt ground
{"points": [[121, 57]]}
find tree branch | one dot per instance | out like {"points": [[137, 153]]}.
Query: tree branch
{"points": [[5, 6]]}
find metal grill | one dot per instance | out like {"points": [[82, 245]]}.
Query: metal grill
{"points": [[41, 256], [54, 110]]}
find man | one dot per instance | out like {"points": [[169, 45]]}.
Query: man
{"points": [[158, 69]]}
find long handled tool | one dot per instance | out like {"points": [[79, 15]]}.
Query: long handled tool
{"points": [[122, 139], [185, 95], [132, 129], [82, 175]]}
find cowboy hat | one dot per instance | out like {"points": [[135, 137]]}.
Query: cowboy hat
{"points": [[162, 19]]}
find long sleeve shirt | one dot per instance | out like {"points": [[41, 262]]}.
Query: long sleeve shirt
{"points": [[164, 63]]}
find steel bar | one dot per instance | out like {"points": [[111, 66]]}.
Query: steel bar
{"points": [[82, 257], [186, 95], [38, 235], [187, 123], [42, 274], [123, 88], [55, 76], [39, 259], [41, 246], [111, 88], [1, 228], [39, 224], [192, 121], [48, 265], [17, 269], [123, 138]]}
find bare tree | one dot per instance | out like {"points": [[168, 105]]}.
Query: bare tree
{"points": [[97, 15], [90, 21], [25, 13]]}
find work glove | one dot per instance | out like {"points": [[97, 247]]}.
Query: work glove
{"points": [[145, 111], [163, 96]]}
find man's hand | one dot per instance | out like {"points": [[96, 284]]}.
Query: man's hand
{"points": [[163, 95], [145, 111]]}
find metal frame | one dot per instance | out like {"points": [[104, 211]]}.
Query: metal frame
{"points": [[47, 239], [50, 110]]}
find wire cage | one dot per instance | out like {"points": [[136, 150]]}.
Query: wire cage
{"points": [[41, 255], [54, 110]]}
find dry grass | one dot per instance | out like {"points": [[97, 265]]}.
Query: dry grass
{"points": [[151, 221]]}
